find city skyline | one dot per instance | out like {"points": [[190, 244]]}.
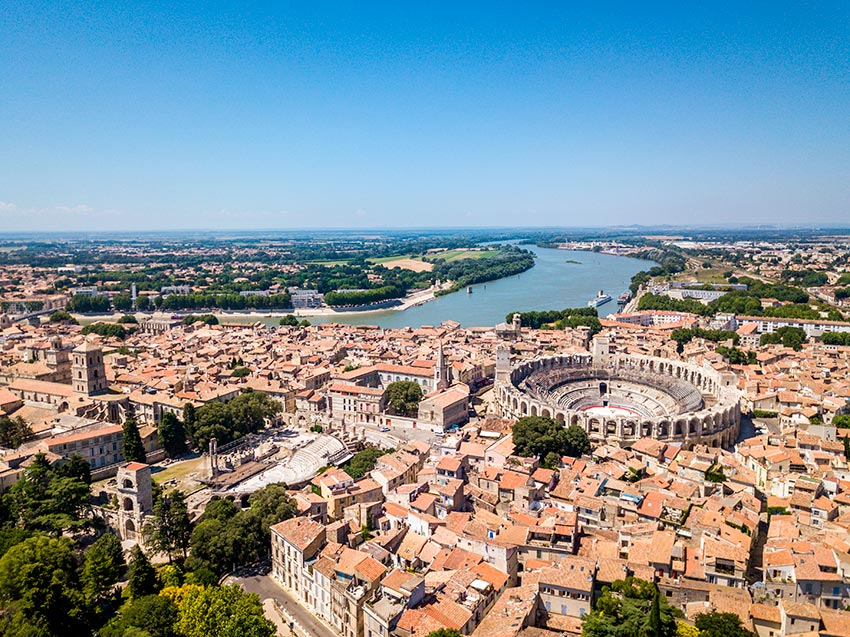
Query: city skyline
{"points": [[169, 118]]}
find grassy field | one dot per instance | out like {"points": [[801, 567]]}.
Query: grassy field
{"points": [[405, 261], [397, 257], [703, 275], [179, 471], [711, 275], [457, 255]]}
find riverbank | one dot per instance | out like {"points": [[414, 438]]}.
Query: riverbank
{"points": [[414, 299]]}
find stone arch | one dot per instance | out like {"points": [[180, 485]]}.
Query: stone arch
{"points": [[678, 427], [693, 427], [130, 530], [645, 429], [128, 504], [574, 419], [127, 483], [610, 428], [523, 408], [662, 429], [545, 413], [629, 428], [559, 416], [594, 426], [533, 409]]}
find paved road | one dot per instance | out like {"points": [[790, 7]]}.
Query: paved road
{"points": [[267, 588]]}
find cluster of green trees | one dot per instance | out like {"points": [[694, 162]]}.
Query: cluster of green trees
{"points": [[560, 319], [807, 278], [14, 431], [793, 337], [84, 303], [53, 585], [669, 263], [290, 320], [223, 301], [836, 338], [226, 421], [226, 537], [364, 461], [107, 330], [629, 608], [206, 319], [509, 261], [192, 610], [737, 356], [745, 303], [364, 297], [686, 335], [842, 421], [403, 397], [132, 447], [636, 608], [762, 290], [172, 435], [63, 317], [666, 303], [49, 499], [30, 306], [122, 302], [548, 440]]}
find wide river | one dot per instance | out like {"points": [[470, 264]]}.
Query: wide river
{"points": [[552, 284]]}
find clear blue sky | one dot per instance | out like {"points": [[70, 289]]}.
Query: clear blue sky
{"points": [[124, 115]]}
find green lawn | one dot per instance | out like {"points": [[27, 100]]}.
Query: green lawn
{"points": [[179, 470], [457, 255], [397, 257], [711, 275]]}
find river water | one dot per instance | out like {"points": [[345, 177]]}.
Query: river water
{"points": [[552, 284]]}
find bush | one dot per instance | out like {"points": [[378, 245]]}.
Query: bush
{"points": [[763, 413]]}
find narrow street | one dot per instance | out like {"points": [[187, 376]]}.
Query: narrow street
{"points": [[307, 624]]}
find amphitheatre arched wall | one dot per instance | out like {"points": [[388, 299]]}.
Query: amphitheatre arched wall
{"points": [[708, 403]]}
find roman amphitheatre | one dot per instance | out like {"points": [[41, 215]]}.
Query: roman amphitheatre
{"points": [[619, 398]]}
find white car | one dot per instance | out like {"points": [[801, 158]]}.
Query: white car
{"points": [[383, 428]]}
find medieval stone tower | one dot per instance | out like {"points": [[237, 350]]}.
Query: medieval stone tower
{"points": [[601, 350], [135, 498], [88, 375], [503, 363]]}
